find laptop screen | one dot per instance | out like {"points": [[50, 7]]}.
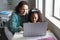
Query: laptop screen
{"points": [[35, 29]]}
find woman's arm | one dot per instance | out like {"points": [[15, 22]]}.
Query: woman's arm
{"points": [[14, 25]]}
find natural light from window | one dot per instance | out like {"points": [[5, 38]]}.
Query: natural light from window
{"points": [[52, 12], [57, 9]]}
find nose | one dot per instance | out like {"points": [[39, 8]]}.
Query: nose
{"points": [[24, 11], [34, 19]]}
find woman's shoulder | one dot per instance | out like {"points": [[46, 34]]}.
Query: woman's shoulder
{"points": [[14, 14]]}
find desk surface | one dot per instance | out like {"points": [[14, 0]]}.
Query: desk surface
{"points": [[19, 36]]}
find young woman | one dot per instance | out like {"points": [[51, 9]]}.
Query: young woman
{"points": [[18, 17]]}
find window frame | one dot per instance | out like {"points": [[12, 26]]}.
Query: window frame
{"points": [[48, 10], [55, 16]]}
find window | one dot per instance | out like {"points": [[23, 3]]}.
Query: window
{"points": [[56, 9], [50, 11], [39, 4]]}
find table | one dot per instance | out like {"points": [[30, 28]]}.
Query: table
{"points": [[19, 36]]}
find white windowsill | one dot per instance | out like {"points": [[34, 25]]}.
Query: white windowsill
{"points": [[54, 21]]}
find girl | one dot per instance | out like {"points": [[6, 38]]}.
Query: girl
{"points": [[35, 15]]}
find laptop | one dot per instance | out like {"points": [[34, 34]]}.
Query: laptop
{"points": [[35, 29]]}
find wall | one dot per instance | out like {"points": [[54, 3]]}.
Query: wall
{"points": [[54, 29], [32, 3], [3, 5], [15, 2]]}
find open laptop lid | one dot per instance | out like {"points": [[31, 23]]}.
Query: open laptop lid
{"points": [[35, 29]]}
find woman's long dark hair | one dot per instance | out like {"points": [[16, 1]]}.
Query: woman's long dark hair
{"points": [[35, 10], [21, 3]]}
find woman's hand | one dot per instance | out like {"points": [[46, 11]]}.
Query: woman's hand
{"points": [[21, 29]]}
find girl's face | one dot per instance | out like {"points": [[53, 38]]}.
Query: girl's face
{"points": [[34, 17]]}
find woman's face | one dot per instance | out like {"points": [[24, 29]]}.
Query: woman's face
{"points": [[23, 10], [34, 17]]}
